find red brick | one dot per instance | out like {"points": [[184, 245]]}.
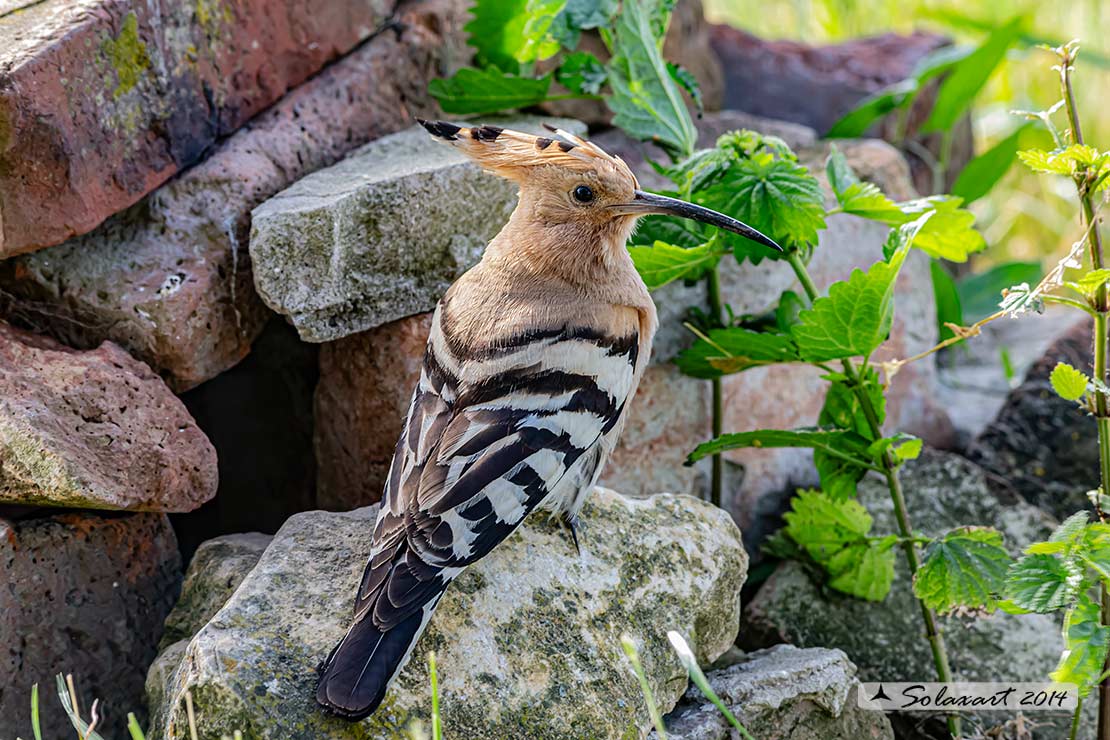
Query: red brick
{"points": [[102, 102], [170, 280]]}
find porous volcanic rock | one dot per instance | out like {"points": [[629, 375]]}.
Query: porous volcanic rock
{"points": [[95, 429], [86, 594]]}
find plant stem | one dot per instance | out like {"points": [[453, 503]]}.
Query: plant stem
{"points": [[716, 462], [1083, 182], [1075, 719], [940, 168], [894, 485]]}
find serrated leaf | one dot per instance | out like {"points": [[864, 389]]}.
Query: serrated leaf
{"points": [[865, 571], [982, 173], [487, 91], [777, 196], [968, 76], [1066, 161], [581, 72], [949, 234], [508, 33], [734, 350], [586, 14], [966, 567], [1071, 529], [701, 168], [681, 232], [1086, 643], [834, 533], [909, 449], [645, 99], [1095, 550], [1069, 383], [1040, 583], [855, 317], [663, 263], [1092, 281], [838, 476], [845, 445], [822, 526]]}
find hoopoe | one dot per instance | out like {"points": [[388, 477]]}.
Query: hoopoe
{"points": [[533, 357]]}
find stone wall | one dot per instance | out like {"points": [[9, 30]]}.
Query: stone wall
{"points": [[220, 239]]}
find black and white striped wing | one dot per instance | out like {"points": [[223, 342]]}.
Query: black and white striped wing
{"points": [[489, 437], [487, 440]]}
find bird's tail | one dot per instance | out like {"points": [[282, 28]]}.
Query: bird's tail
{"points": [[354, 678]]}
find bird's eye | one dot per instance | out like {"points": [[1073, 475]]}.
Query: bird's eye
{"points": [[583, 194]]}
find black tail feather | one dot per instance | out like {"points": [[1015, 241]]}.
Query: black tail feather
{"points": [[355, 677]]}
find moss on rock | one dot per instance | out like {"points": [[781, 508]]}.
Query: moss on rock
{"points": [[529, 632]]}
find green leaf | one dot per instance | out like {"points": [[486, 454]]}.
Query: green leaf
{"points": [[1089, 284], [663, 263], [487, 91], [834, 533], [855, 317], [777, 196], [686, 80], [645, 99], [701, 168], [1040, 583], [822, 526], [582, 73], [980, 293], [862, 199], [856, 122], [983, 173], [842, 408], [681, 232], [1095, 550], [586, 14], [734, 350], [1086, 642], [864, 571], [847, 446], [1069, 383], [968, 77], [1066, 161], [1071, 529], [947, 300], [790, 305], [949, 234], [508, 33], [966, 567]]}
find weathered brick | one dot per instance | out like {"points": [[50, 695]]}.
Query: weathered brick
{"points": [[95, 430], [170, 279], [101, 101]]}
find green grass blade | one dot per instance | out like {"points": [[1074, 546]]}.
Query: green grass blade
{"points": [[686, 656], [437, 729], [35, 727], [133, 727], [629, 648]]}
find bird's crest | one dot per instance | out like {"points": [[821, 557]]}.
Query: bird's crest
{"points": [[511, 154]]}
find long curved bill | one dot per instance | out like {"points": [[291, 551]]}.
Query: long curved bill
{"points": [[646, 204]]}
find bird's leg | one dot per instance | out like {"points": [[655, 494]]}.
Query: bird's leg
{"points": [[570, 524]]}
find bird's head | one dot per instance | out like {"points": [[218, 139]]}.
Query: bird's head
{"points": [[571, 191]]}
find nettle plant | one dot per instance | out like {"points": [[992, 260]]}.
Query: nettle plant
{"points": [[1070, 572]]}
